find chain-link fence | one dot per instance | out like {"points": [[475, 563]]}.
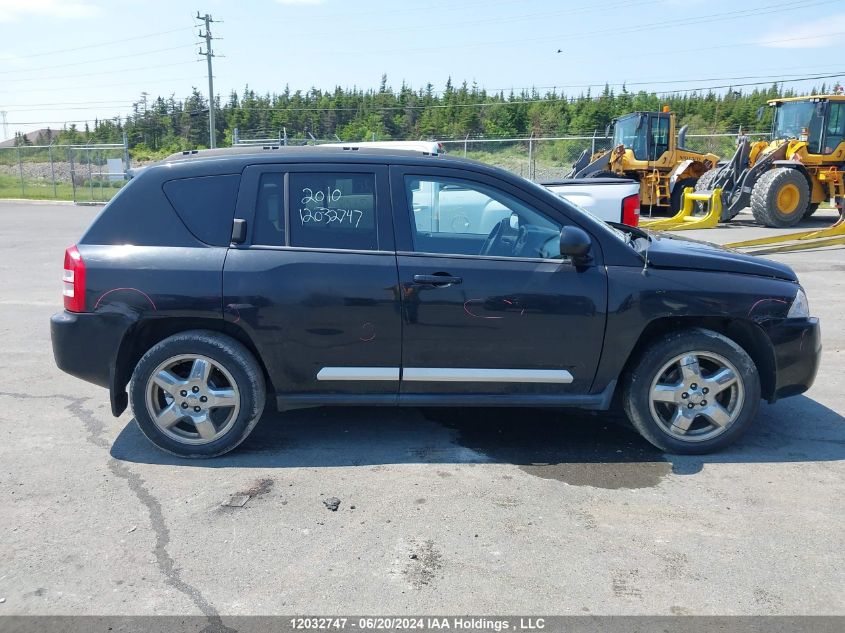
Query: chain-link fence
{"points": [[550, 158], [82, 173]]}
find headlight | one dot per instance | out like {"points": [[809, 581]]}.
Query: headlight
{"points": [[800, 308]]}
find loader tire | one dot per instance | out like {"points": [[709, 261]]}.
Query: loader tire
{"points": [[780, 198], [705, 183], [676, 200], [811, 209]]}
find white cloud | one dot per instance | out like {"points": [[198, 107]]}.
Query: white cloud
{"points": [[822, 33], [300, 1], [15, 10]]}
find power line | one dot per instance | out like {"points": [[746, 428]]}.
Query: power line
{"points": [[64, 103], [120, 85], [100, 73], [791, 5], [486, 104], [416, 107], [83, 108], [95, 61], [528, 16], [99, 44], [739, 14], [449, 4], [772, 79]]}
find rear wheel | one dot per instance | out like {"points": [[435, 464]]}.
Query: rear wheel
{"points": [[780, 198], [197, 394], [694, 391]]}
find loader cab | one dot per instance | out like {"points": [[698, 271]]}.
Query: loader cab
{"points": [[647, 134], [818, 121]]}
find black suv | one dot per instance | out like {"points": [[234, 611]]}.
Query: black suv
{"points": [[331, 276]]}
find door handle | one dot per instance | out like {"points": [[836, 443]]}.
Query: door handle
{"points": [[438, 279]]}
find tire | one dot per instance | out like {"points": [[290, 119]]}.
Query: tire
{"points": [[208, 365], [676, 200], [811, 209], [705, 183], [780, 198], [693, 432]]}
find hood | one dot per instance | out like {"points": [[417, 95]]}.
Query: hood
{"points": [[670, 251]]}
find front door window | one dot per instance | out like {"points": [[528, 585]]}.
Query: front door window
{"points": [[452, 216]]}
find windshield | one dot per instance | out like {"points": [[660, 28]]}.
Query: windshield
{"points": [[625, 133], [799, 120]]}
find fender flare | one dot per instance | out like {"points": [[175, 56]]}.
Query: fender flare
{"points": [[679, 169]]}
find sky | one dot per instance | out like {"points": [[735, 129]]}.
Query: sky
{"points": [[64, 61]]}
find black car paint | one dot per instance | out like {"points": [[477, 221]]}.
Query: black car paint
{"points": [[146, 268], [673, 251]]}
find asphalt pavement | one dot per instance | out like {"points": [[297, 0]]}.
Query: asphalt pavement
{"points": [[440, 511]]}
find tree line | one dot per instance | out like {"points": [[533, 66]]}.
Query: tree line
{"points": [[161, 125]]}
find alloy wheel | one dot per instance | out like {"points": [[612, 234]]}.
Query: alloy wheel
{"points": [[192, 399], [697, 396]]}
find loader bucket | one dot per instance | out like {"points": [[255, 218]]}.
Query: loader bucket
{"points": [[685, 220]]}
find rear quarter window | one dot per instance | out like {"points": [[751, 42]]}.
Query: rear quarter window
{"points": [[206, 205]]}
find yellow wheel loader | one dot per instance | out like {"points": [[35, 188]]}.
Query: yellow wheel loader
{"points": [[647, 149], [785, 179]]}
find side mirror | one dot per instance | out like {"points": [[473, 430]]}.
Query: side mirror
{"points": [[760, 111], [575, 244], [608, 129]]}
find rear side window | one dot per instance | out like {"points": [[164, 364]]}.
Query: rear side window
{"points": [[206, 205], [333, 210]]}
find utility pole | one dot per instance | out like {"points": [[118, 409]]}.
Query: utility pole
{"points": [[208, 55], [5, 125]]}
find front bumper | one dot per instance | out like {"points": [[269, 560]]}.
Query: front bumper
{"points": [[797, 346]]}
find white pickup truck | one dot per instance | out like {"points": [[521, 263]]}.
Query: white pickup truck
{"points": [[609, 199]]}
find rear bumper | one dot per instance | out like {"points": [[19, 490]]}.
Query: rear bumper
{"points": [[85, 345], [797, 345]]}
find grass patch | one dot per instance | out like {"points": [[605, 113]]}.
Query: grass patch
{"points": [[38, 189]]}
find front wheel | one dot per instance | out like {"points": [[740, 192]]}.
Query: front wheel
{"points": [[197, 394], [694, 391], [780, 198]]}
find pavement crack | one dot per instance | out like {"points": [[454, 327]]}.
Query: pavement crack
{"points": [[164, 561]]}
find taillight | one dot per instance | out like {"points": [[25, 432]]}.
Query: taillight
{"points": [[74, 281], [631, 210]]}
